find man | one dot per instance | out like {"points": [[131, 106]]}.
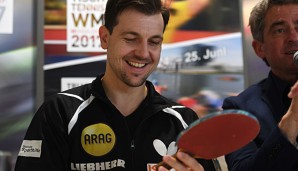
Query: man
{"points": [[274, 26], [119, 121]]}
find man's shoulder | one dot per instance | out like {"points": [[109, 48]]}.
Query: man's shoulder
{"points": [[248, 98], [169, 104], [80, 93], [253, 91]]}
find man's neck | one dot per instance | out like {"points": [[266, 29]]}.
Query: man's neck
{"points": [[125, 98]]}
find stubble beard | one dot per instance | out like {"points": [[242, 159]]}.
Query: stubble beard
{"points": [[128, 81]]}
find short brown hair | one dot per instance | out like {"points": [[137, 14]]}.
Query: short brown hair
{"points": [[115, 7]]}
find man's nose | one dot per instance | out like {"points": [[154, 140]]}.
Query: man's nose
{"points": [[142, 50], [293, 35]]}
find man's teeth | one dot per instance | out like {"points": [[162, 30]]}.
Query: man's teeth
{"points": [[138, 65]]}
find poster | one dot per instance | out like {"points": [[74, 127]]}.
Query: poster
{"points": [[202, 58], [83, 21], [6, 16]]}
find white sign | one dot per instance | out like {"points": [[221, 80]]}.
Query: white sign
{"points": [[84, 17], [31, 148], [6, 16], [72, 82]]}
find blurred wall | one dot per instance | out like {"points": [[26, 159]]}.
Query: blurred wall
{"points": [[19, 73], [254, 68]]}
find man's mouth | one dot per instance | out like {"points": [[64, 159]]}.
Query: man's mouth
{"points": [[136, 64]]}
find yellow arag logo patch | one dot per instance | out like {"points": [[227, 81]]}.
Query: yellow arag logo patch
{"points": [[98, 139]]}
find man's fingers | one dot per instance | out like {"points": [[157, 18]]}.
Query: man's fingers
{"points": [[294, 91], [189, 161], [174, 163], [181, 162]]}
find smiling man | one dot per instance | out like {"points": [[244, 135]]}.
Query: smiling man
{"points": [[119, 121]]}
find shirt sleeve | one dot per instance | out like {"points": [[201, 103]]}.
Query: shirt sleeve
{"points": [[45, 144]]}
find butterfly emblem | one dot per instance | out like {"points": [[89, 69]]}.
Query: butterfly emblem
{"points": [[162, 150]]}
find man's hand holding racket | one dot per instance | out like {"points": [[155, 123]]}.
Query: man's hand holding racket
{"points": [[210, 137]]}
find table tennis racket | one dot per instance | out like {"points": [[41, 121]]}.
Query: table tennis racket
{"points": [[217, 134]]}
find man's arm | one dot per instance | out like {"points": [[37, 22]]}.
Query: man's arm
{"points": [[45, 144], [289, 122]]}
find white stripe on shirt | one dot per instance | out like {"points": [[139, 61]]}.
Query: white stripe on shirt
{"points": [[176, 114]]}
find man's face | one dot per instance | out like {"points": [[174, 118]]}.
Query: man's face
{"points": [[281, 39], [133, 48]]}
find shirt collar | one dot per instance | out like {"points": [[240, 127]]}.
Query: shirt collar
{"points": [[282, 89]]}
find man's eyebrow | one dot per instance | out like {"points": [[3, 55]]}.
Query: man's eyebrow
{"points": [[277, 23], [137, 34], [157, 37], [129, 32]]}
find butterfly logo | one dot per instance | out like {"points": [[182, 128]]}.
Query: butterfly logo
{"points": [[162, 150]]}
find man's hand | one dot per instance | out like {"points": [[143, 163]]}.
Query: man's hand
{"points": [[289, 122], [183, 162]]}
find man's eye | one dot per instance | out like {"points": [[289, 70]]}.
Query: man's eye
{"points": [[129, 39], [280, 30], [155, 43]]}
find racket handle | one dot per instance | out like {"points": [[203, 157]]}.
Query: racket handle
{"points": [[165, 165]]}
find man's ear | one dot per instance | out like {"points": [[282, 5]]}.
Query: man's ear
{"points": [[104, 36], [259, 49]]}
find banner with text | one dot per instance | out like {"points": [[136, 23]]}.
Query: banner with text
{"points": [[6, 16], [84, 17]]}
